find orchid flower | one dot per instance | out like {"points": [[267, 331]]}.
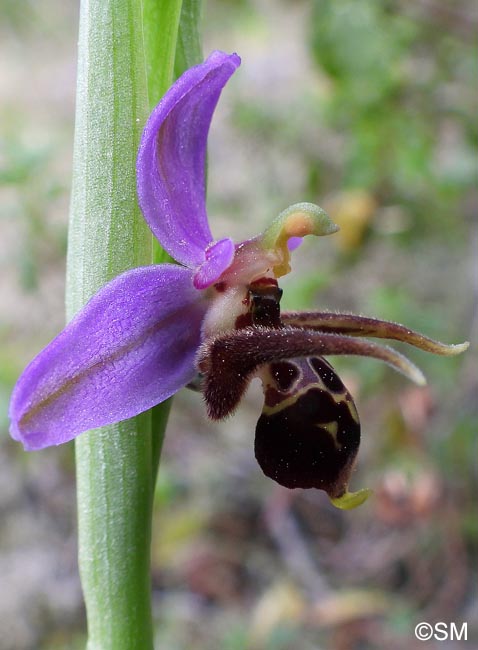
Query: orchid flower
{"points": [[213, 321]]}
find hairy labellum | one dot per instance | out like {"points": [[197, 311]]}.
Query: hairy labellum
{"points": [[309, 432]]}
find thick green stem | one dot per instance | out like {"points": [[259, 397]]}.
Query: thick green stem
{"points": [[107, 236], [116, 465], [114, 511]]}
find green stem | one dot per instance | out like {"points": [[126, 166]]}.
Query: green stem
{"points": [[161, 23], [114, 513], [107, 236], [116, 465], [160, 415], [178, 48], [189, 45]]}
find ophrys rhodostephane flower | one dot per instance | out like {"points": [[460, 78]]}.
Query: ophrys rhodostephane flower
{"points": [[214, 319]]}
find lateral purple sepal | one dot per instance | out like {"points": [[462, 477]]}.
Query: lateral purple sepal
{"points": [[130, 348], [171, 159]]}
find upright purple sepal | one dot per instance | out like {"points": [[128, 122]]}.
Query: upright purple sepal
{"points": [[171, 159], [131, 347]]}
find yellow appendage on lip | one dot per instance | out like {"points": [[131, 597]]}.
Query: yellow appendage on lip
{"points": [[351, 500]]}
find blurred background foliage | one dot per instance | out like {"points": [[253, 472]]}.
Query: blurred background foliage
{"points": [[369, 109]]}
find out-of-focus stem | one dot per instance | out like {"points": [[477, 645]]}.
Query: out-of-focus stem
{"points": [[168, 56]]}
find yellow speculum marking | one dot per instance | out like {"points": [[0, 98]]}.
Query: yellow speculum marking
{"points": [[332, 429], [291, 399]]}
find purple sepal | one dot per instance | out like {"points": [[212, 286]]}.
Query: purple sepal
{"points": [[131, 347], [171, 159], [219, 256]]}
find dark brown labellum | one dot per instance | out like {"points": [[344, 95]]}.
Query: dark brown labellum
{"points": [[307, 436], [309, 432]]}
